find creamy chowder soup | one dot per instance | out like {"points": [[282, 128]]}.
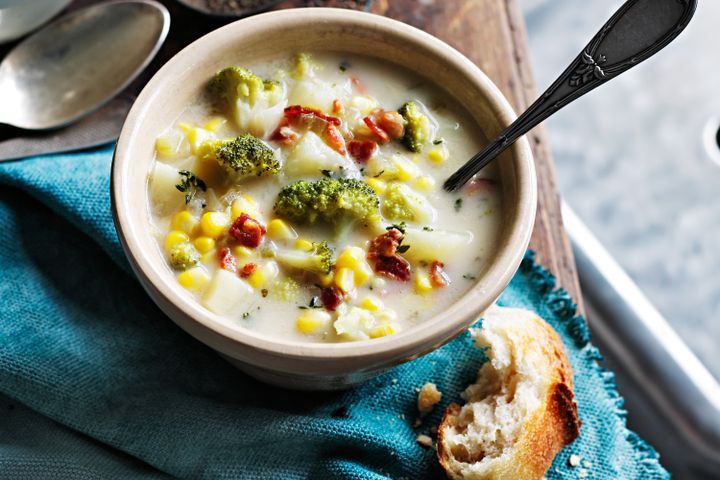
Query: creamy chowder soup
{"points": [[302, 198]]}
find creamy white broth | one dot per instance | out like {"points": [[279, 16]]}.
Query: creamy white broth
{"points": [[403, 303]]}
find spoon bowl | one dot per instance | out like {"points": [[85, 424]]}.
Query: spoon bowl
{"points": [[637, 31], [79, 62]]}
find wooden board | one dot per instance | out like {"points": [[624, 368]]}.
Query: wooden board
{"points": [[491, 33]]}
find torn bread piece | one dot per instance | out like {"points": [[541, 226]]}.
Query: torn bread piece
{"points": [[521, 411]]}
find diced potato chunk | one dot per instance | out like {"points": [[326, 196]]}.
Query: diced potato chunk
{"points": [[227, 294], [435, 245], [165, 197], [311, 155], [313, 93]]}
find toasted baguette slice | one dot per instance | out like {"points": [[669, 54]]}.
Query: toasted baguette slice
{"points": [[521, 412]]}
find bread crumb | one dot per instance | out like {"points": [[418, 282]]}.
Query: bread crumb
{"points": [[428, 397], [574, 460], [424, 441], [587, 464], [394, 381], [582, 473]]}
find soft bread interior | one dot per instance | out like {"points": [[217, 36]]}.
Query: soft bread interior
{"points": [[511, 387]]}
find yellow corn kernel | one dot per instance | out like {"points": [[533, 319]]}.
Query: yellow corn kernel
{"points": [[166, 146], [378, 185], [185, 127], [215, 123], [437, 155], [363, 273], [263, 275], [185, 222], [257, 279], [423, 283], [244, 204], [383, 330], [242, 252], [175, 237], [302, 244], [279, 230], [406, 170], [312, 321], [196, 136], [194, 279], [326, 280], [371, 303], [204, 244], [424, 184], [213, 224], [344, 279], [350, 258]]}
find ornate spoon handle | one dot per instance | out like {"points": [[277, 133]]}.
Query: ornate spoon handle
{"points": [[637, 31]]}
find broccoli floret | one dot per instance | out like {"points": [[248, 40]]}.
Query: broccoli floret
{"points": [[401, 203], [318, 259], [417, 127], [184, 256], [332, 200], [244, 156], [237, 83]]}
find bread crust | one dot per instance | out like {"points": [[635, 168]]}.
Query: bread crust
{"points": [[552, 426]]}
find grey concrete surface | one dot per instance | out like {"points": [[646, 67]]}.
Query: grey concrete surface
{"points": [[631, 160]]}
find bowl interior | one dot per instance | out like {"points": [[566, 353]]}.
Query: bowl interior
{"points": [[182, 80]]}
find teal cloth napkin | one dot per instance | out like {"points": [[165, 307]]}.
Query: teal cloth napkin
{"points": [[95, 382]]}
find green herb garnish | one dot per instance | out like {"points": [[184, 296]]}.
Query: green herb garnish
{"points": [[190, 185], [397, 226]]}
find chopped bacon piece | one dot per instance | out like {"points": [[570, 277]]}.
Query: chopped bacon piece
{"points": [[476, 185], [227, 260], [391, 122], [284, 134], [331, 298], [335, 139], [337, 106], [379, 132], [385, 245], [383, 251], [361, 150], [395, 267], [248, 269], [295, 111], [247, 231], [438, 276]]}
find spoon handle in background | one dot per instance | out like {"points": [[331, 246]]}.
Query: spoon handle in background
{"points": [[637, 31]]}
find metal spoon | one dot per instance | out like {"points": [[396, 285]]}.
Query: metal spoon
{"points": [[79, 62], [637, 31]]}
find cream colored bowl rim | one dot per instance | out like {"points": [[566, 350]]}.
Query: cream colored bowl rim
{"points": [[437, 328]]}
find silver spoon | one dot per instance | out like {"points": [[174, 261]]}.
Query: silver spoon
{"points": [[79, 62], [637, 31]]}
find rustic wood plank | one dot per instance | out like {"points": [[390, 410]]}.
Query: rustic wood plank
{"points": [[491, 33]]}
